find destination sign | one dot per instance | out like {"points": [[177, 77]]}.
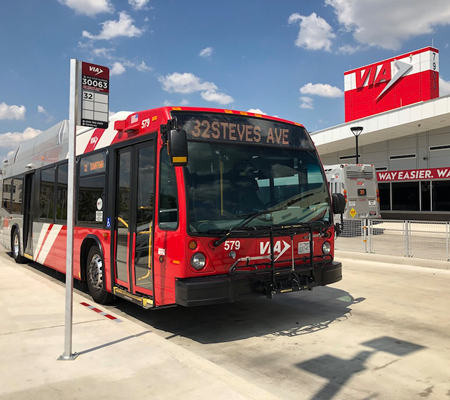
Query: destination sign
{"points": [[237, 129], [93, 164]]}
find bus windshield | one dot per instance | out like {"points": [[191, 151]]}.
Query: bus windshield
{"points": [[228, 183]]}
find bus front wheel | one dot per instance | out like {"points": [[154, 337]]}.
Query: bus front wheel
{"points": [[15, 247], [94, 277]]}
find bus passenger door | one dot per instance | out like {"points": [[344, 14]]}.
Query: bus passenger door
{"points": [[28, 216], [134, 218]]}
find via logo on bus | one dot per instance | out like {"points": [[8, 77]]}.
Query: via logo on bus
{"points": [[279, 247]]}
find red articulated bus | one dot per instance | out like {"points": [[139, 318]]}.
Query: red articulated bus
{"points": [[176, 206]]}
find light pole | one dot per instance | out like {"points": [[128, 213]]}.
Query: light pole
{"points": [[356, 130]]}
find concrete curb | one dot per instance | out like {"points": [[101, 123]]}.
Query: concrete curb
{"points": [[417, 262]]}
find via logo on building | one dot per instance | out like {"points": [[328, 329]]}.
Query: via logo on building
{"points": [[279, 247], [381, 73]]}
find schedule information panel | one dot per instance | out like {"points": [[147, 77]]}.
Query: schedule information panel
{"points": [[94, 96]]}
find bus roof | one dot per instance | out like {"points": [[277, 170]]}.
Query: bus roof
{"points": [[51, 145]]}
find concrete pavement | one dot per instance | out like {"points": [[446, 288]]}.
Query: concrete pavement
{"points": [[117, 359]]}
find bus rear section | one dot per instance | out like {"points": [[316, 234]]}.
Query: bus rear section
{"points": [[245, 212], [358, 183]]}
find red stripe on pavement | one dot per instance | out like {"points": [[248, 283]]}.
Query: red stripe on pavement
{"points": [[109, 316]]}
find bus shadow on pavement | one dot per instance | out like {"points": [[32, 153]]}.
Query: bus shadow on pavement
{"points": [[287, 315], [339, 371]]}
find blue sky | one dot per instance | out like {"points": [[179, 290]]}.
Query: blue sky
{"points": [[282, 57]]}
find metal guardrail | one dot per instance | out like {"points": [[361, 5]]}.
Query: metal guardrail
{"points": [[419, 239]]}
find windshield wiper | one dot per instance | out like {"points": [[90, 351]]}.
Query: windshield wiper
{"points": [[257, 214], [251, 217]]}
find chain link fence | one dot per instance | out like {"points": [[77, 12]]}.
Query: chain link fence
{"points": [[420, 239]]}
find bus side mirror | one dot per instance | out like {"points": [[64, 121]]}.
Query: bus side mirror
{"points": [[177, 147], [338, 203], [338, 206]]}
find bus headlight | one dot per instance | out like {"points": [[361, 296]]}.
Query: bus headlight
{"points": [[326, 248], [198, 261]]}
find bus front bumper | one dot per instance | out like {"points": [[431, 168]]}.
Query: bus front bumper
{"points": [[218, 289]]}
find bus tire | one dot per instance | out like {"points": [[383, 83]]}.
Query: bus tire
{"points": [[15, 247], [94, 277]]}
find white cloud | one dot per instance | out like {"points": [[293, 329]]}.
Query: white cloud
{"points": [[11, 140], [315, 33], [184, 83], [42, 110], [444, 87], [348, 49], [169, 103], [217, 97], [12, 112], [307, 102], [321, 89], [117, 69], [206, 52], [189, 83], [388, 24], [138, 4], [102, 52], [256, 111], [89, 7], [142, 67], [113, 29]]}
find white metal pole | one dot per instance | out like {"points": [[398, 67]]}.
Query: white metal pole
{"points": [[68, 355]]}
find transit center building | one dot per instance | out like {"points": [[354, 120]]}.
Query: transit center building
{"points": [[405, 134]]}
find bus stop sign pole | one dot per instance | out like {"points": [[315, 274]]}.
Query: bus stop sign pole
{"points": [[89, 106], [73, 113]]}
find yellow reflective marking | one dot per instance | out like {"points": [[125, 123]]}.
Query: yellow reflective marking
{"points": [[154, 118], [176, 262], [149, 252], [147, 301], [258, 115], [352, 212], [176, 108], [125, 293], [229, 111], [28, 256], [123, 221], [244, 113], [179, 159]]}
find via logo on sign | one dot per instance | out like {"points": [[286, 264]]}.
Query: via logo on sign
{"points": [[97, 70], [280, 247]]}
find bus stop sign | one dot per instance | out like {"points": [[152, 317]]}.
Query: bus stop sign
{"points": [[94, 96]]}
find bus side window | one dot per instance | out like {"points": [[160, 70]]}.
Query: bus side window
{"points": [[6, 197], [47, 193], [61, 194], [91, 189], [168, 195], [17, 195]]}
